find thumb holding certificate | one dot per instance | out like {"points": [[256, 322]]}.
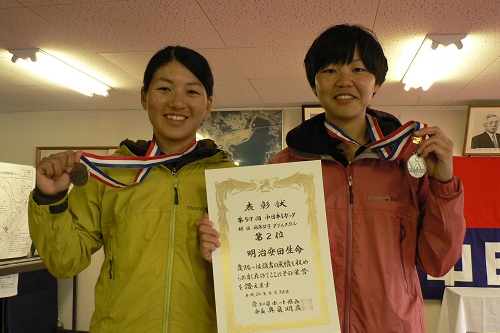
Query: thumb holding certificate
{"points": [[209, 237]]}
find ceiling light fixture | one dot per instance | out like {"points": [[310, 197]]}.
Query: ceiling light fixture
{"points": [[39, 61], [437, 56]]}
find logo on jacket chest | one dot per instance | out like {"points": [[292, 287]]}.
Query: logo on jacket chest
{"points": [[383, 198], [204, 209]]}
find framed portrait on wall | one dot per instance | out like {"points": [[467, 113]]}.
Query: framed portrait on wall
{"points": [[482, 136], [309, 111]]}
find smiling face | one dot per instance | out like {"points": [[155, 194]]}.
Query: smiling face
{"points": [[345, 91], [176, 102]]}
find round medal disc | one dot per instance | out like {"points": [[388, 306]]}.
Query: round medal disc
{"points": [[416, 166], [79, 175]]}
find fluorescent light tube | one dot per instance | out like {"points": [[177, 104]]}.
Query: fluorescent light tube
{"points": [[436, 58], [40, 62]]}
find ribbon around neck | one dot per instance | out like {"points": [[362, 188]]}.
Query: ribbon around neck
{"points": [[390, 147], [145, 163]]}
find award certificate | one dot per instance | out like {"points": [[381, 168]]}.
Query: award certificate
{"points": [[273, 271]]}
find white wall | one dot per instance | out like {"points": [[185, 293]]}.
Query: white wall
{"points": [[21, 133]]}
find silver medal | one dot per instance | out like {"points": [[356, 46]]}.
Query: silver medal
{"points": [[416, 166], [416, 163]]}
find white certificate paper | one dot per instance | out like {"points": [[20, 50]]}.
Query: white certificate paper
{"points": [[273, 271]]}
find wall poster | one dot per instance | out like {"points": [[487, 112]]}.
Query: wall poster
{"points": [[250, 137]]}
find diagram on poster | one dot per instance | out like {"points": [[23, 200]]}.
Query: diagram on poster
{"points": [[16, 183]]}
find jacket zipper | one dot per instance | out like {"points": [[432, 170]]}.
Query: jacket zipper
{"points": [[402, 235], [111, 269], [176, 195], [110, 260], [347, 303], [111, 266], [170, 255]]}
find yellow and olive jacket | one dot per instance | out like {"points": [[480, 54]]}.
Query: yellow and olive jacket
{"points": [[152, 279]]}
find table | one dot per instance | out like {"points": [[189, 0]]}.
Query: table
{"points": [[468, 309], [14, 266]]}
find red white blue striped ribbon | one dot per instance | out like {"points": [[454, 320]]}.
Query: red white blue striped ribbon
{"points": [[390, 147], [143, 163]]}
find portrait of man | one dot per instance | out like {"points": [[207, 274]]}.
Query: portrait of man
{"points": [[489, 138]]}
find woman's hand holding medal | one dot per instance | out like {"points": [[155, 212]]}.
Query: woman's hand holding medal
{"points": [[437, 150], [53, 172]]}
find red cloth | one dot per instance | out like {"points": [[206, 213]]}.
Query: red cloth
{"points": [[481, 180]]}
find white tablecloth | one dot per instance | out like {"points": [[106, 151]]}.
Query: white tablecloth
{"points": [[467, 309]]}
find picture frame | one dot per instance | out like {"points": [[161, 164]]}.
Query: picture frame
{"points": [[309, 111], [477, 141], [42, 152]]}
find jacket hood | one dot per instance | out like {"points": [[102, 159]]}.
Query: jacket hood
{"points": [[311, 136]]}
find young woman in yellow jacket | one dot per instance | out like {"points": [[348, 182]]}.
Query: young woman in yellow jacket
{"points": [[152, 279]]}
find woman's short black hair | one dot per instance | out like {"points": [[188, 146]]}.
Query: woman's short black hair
{"points": [[336, 45], [191, 59]]}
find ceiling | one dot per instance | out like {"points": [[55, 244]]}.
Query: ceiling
{"points": [[255, 47]]}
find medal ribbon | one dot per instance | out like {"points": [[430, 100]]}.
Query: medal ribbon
{"points": [[390, 147], [143, 163]]}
